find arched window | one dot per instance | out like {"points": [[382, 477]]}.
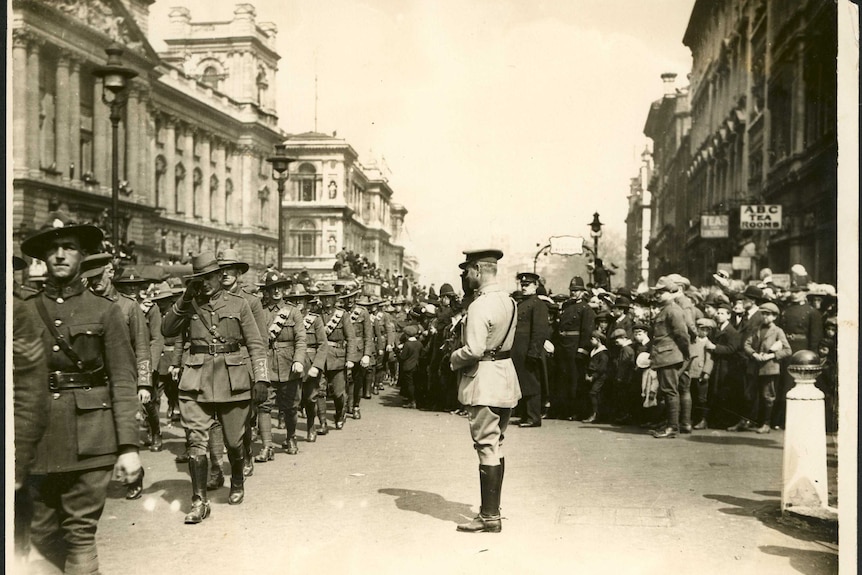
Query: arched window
{"points": [[306, 183], [228, 200], [161, 168], [305, 239], [211, 77], [180, 188]]}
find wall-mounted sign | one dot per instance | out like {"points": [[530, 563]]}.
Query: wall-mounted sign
{"points": [[741, 263], [760, 217], [714, 226]]}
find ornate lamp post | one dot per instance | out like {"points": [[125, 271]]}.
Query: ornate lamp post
{"points": [[596, 233], [115, 82], [280, 162]]}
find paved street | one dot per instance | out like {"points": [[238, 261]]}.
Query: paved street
{"points": [[385, 494]]}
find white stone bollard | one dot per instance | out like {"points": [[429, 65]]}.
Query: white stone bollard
{"points": [[804, 489]]}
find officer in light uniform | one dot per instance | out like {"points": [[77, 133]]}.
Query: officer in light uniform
{"points": [[92, 387], [216, 382], [488, 384]]}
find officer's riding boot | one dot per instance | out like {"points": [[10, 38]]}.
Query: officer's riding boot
{"points": [[237, 475], [216, 451], [247, 443], [289, 445], [488, 520], [152, 410], [198, 469], [310, 415], [340, 413]]}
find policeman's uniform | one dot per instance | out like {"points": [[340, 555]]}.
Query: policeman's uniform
{"points": [[530, 334], [223, 341], [575, 325]]}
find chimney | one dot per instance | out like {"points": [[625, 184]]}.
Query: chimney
{"points": [[669, 78]]}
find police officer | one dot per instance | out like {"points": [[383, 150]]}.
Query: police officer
{"points": [[575, 325], [530, 334], [313, 383], [339, 338], [216, 382], [286, 355], [361, 352], [91, 417], [488, 383]]}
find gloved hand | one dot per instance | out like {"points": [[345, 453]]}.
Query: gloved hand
{"points": [[260, 392], [549, 347], [348, 365], [192, 289], [298, 367], [313, 372], [144, 395], [365, 361]]}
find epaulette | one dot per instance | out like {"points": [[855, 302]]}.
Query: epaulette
{"points": [[26, 292]]}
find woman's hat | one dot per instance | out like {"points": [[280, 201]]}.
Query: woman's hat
{"points": [[203, 264], [61, 224]]}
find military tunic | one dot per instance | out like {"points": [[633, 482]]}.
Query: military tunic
{"points": [[140, 337]]}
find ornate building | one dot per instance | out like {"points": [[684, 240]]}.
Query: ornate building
{"points": [[198, 124], [334, 202], [639, 225], [763, 132]]}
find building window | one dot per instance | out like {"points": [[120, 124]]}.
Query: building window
{"points": [[180, 189], [161, 168], [304, 239], [211, 77], [87, 96], [228, 199], [306, 183]]}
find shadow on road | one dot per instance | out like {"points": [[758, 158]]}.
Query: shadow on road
{"points": [[429, 504], [736, 440], [768, 512], [806, 562]]}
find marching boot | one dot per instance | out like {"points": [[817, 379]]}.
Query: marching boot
{"points": [[237, 476], [356, 413], [290, 446], [741, 425], [152, 410], [488, 520], [310, 417], [198, 467], [215, 446]]}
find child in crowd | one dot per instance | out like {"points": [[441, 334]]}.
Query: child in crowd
{"points": [[623, 370], [699, 371], [765, 348], [408, 361], [597, 372]]}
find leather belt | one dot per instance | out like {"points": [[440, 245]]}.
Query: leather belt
{"points": [[312, 346], [336, 343], [281, 344], [570, 333], [214, 348], [169, 348], [59, 380], [496, 356], [796, 336]]}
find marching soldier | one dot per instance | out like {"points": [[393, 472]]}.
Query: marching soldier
{"points": [[378, 340], [316, 348], [286, 355], [91, 415], [339, 338], [360, 353], [216, 381]]}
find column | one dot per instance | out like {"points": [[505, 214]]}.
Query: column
{"points": [[33, 158], [132, 141], [799, 100], [189, 160], [247, 191], [146, 145], [219, 207], [206, 172], [19, 103], [101, 137], [170, 166], [61, 138], [75, 119]]}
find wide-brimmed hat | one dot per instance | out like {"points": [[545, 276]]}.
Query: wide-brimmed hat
{"points": [[230, 258], [59, 225], [94, 265], [325, 290], [203, 264], [368, 301], [131, 276], [297, 291], [162, 291], [273, 279]]}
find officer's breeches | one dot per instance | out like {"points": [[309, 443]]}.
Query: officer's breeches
{"points": [[198, 417]]}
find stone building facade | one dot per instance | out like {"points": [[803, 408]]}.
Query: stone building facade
{"points": [[763, 132], [334, 202], [198, 124]]}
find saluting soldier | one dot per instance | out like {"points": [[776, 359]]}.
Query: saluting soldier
{"points": [[313, 384], [362, 350], [488, 384], [575, 325], [286, 355], [232, 270], [216, 382], [340, 339], [530, 334], [92, 383]]}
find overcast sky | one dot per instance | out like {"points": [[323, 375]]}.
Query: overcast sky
{"points": [[498, 118]]}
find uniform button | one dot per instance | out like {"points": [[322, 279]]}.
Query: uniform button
{"points": [[56, 348], [56, 396], [58, 322], [60, 300], [89, 332]]}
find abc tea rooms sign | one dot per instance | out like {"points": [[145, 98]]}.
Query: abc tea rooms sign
{"points": [[760, 217]]}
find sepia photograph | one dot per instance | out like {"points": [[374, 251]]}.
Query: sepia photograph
{"points": [[422, 286]]}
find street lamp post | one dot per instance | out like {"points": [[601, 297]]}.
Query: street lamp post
{"points": [[596, 233], [280, 162], [115, 82]]}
